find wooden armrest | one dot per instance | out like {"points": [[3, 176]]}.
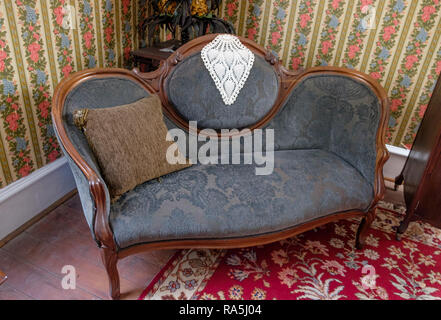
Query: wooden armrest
{"points": [[97, 187]]}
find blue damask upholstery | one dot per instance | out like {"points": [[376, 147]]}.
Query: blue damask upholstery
{"points": [[194, 95], [325, 158], [334, 113], [227, 201], [330, 112]]}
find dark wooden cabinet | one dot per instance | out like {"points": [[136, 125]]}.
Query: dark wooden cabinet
{"points": [[149, 58], [422, 172]]}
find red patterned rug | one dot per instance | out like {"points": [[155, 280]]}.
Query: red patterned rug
{"points": [[319, 264]]}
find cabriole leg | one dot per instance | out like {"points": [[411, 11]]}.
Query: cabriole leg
{"points": [[398, 181], [110, 260], [404, 224], [364, 228]]}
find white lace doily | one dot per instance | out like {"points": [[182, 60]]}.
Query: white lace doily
{"points": [[229, 63]]}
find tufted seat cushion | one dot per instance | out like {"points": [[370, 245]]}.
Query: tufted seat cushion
{"points": [[226, 201]]}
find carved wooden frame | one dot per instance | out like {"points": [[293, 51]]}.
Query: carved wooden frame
{"points": [[154, 82], [158, 78]]}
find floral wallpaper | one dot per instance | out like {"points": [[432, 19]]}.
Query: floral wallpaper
{"points": [[401, 48], [42, 42]]}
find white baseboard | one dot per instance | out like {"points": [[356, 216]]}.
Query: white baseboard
{"points": [[392, 168], [22, 200]]}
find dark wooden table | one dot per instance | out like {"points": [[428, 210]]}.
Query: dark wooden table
{"points": [[422, 172], [3, 277], [149, 58]]}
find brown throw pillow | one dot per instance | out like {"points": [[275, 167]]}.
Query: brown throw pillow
{"points": [[128, 142]]}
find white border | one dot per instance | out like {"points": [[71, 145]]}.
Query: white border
{"points": [[392, 168], [25, 198]]}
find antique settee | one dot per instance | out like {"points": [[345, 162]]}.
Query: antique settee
{"points": [[329, 125]]}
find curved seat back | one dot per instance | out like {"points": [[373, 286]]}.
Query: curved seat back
{"points": [[188, 92], [329, 108], [193, 94], [332, 110]]}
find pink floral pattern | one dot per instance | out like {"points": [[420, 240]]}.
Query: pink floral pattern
{"points": [[276, 30], [412, 58], [29, 20], [253, 19], [387, 39], [231, 10], [87, 32], [328, 37], [127, 35], [420, 110], [108, 20], [320, 264], [63, 38], [12, 113], [302, 33], [38, 48], [355, 44]]}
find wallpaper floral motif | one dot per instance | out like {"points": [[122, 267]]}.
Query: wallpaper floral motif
{"points": [[401, 49], [42, 42]]}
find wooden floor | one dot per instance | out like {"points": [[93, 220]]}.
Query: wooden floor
{"points": [[34, 259]]}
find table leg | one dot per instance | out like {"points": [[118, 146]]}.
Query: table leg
{"points": [[3, 277]]}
